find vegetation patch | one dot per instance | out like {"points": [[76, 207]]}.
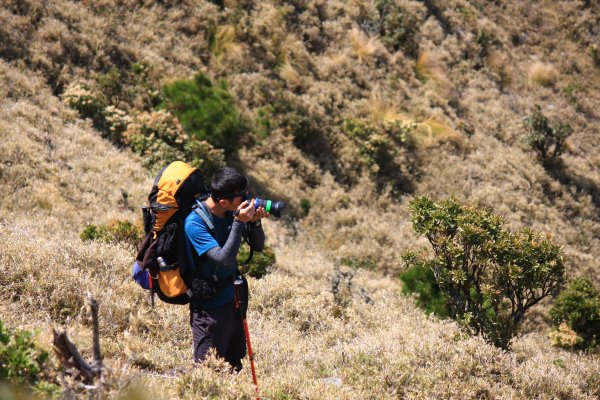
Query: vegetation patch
{"points": [[121, 231], [576, 316], [261, 262], [419, 279], [206, 111], [546, 139], [159, 138], [23, 363], [360, 263]]}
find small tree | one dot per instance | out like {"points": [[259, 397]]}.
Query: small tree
{"points": [[548, 141], [489, 275]]}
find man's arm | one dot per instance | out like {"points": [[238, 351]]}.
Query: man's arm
{"points": [[225, 256]]}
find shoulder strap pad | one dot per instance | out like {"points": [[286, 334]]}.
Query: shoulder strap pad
{"points": [[202, 213]]}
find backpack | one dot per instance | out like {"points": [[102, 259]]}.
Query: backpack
{"points": [[161, 264]]}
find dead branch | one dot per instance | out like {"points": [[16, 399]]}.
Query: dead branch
{"points": [[69, 356]]}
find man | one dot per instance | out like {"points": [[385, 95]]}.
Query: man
{"points": [[214, 319]]}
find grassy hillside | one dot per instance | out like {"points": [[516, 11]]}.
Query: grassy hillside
{"points": [[349, 109]]}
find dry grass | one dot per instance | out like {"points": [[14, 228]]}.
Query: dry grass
{"points": [[224, 44], [365, 341], [542, 74], [432, 131], [364, 47], [429, 67]]}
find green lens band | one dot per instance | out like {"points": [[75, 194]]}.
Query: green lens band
{"points": [[268, 207]]}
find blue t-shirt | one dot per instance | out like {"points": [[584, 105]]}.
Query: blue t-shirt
{"points": [[198, 238]]}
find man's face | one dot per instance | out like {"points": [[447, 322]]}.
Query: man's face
{"points": [[233, 203]]}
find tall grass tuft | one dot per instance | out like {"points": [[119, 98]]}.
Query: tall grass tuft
{"points": [[364, 47], [428, 67], [542, 74], [223, 43]]}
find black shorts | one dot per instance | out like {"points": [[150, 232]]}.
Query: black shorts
{"points": [[220, 328]]}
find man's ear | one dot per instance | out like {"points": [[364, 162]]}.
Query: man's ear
{"points": [[223, 203]]}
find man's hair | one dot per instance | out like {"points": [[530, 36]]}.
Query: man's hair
{"points": [[228, 183]]}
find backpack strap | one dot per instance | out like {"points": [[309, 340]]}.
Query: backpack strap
{"points": [[202, 213]]}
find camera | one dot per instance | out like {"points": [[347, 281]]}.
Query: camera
{"points": [[272, 207]]}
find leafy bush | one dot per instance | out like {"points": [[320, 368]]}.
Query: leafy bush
{"points": [[206, 111], [378, 144], [305, 205], [21, 361], [87, 103], [419, 279], [260, 263], [111, 84], [565, 337], [490, 276], [202, 155], [579, 308], [114, 231], [112, 89], [117, 122], [546, 140], [129, 87], [159, 138]]}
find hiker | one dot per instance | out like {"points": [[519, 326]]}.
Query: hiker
{"points": [[214, 320]]}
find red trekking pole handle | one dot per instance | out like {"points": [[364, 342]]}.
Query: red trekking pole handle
{"points": [[236, 284]]}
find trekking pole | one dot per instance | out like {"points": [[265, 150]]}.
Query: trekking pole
{"points": [[236, 285]]}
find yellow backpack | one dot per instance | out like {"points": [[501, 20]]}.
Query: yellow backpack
{"points": [[161, 264]]}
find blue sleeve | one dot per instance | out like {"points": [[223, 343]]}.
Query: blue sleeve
{"points": [[198, 234]]}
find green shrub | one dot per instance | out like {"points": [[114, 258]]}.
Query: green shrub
{"points": [[129, 87], [87, 103], [21, 361], [206, 111], [579, 307], [264, 122], [90, 232], [490, 276], [305, 205], [122, 231], [376, 148], [159, 138], [111, 84], [260, 264], [202, 155], [419, 279], [546, 140]]}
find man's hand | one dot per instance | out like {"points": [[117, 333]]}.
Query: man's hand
{"points": [[260, 213], [246, 211]]}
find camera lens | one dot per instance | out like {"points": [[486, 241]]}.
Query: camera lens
{"points": [[272, 207]]}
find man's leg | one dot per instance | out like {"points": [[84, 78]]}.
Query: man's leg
{"points": [[212, 328], [237, 344]]}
